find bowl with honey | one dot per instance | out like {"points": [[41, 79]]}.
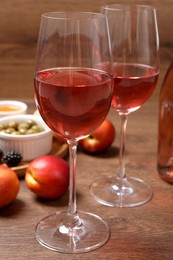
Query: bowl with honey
{"points": [[12, 107]]}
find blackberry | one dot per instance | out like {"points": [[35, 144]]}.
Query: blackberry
{"points": [[12, 158], [1, 154]]}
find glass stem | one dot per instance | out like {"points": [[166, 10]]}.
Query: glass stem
{"points": [[121, 171], [72, 220]]}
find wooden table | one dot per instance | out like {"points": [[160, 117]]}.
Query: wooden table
{"points": [[139, 233], [144, 232]]}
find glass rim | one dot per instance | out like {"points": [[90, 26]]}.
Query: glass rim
{"points": [[73, 15], [127, 7]]}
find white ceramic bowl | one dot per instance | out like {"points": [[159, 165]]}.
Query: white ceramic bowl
{"points": [[30, 146], [12, 107]]}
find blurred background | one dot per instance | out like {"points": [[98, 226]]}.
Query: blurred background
{"points": [[19, 26]]}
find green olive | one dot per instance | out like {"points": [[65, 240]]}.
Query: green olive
{"points": [[24, 125], [22, 130], [13, 124], [4, 126], [30, 122], [9, 130], [37, 128], [31, 131]]}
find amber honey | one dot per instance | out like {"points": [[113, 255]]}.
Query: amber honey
{"points": [[9, 108]]}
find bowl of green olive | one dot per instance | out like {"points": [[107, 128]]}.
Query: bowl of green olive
{"points": [[25, 134]]}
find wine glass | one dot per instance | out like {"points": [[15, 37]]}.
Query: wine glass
{"points": [[73, 92], [135, 46]]}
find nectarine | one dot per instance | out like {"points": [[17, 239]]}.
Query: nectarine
{"points": [[48, 176], [101, 139], [9, 185]]}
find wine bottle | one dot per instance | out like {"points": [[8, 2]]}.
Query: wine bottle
{"points": [[165, 131]]}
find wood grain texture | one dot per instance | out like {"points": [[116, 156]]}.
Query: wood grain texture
{"points": [[143, 232], [140, 233], [19, 26]]}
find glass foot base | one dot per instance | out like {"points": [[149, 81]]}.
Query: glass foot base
{"points": [[113, 192], [92, 233]]}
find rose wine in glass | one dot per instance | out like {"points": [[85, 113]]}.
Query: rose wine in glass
{"points": [[135, 46], [73, 92]]}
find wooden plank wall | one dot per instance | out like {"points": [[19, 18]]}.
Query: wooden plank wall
{"points": [[19, 25]]}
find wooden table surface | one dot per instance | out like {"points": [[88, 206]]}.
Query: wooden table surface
{"points": [[144, 232], [139, 233]]}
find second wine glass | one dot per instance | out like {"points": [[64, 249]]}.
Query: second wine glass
{"points": [[73, 92], [135, 47]]}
